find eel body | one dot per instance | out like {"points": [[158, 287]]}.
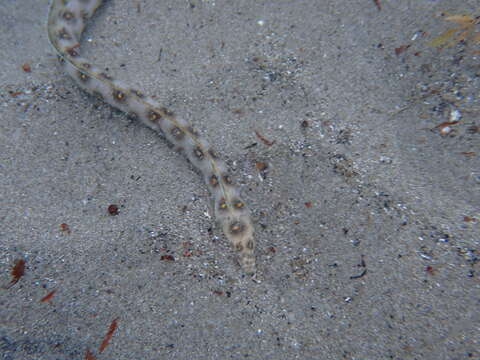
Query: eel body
{"points": [[66, 22]]}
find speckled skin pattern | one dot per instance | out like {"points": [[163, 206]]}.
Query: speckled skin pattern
{"points": [[66, 22]]}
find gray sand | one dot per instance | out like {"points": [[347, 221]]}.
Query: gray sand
{"points": [[365, 214]]}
